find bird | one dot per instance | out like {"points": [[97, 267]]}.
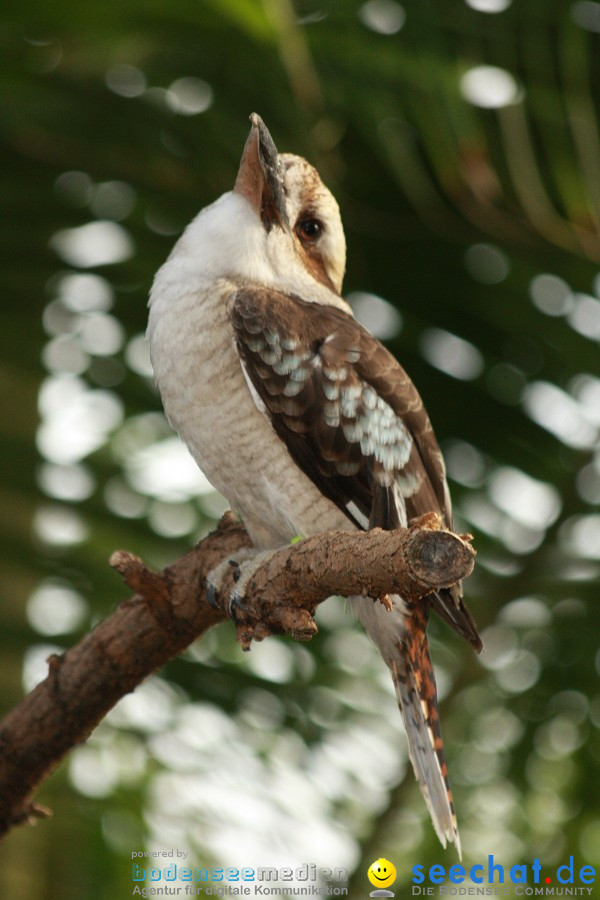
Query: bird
{"points": [[296, 414]]}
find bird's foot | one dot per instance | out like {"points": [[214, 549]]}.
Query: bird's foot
{"points": [[217, 576], [214, 581], [245, 570], [255, 613]]}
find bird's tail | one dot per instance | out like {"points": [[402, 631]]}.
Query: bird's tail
{"points": [[401, 636]]}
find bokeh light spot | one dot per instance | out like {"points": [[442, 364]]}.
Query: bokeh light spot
{"points": [[378, 315], [489, 87], [189, 96], [101, 334], [522, 674], [383, 16], [75, 420], [585, 316], [66, 482], [586, 14], [580, 535], [551, 295], [489, 6], [137, 356], [74, 188], [526, 612], [59, 526], [84, 293], [113, 200], [273, 662], [533, 503], [55, 608], [559, 414], [465, 463], [451, 354], [125, 80], [166, 470], [172, 519], [99, 243], [64, 354], [487, 263], [93, 773]]}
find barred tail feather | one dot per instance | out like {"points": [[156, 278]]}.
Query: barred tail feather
{"points": [[426, 750], [402, 640]]}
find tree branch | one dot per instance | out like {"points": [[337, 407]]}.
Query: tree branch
{"points": [[170, 610]]}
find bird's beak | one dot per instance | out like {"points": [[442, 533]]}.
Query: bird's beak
{"points": [[260, 176]]}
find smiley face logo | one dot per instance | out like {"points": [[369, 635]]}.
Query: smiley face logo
{"points": [[382, 873]]}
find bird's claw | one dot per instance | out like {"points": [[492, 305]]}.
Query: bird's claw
{"points": [[236, 605], [247, 562], [245, 570], [214, 581]]}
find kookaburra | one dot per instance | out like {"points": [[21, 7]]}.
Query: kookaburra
{"points": [[296, 413]]}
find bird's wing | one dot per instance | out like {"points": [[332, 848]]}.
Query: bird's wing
{"points": [[352, 419], [349, 415]]}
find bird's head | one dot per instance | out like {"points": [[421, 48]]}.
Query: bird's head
{"points": [[279, 227], [298, 214]]}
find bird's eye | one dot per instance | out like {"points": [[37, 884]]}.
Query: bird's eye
{"points": [[309, 230]]}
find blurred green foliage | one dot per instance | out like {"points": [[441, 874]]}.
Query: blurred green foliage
{"points": [[471, 202]]}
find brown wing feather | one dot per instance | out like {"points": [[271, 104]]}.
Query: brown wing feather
{"points": [[349, 415]]}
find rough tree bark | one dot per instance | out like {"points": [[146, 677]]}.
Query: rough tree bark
{"points": [[170, 610]]}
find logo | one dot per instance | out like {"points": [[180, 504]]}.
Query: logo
{"points": [[381, 874], [180, 879], [523, 879]]}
